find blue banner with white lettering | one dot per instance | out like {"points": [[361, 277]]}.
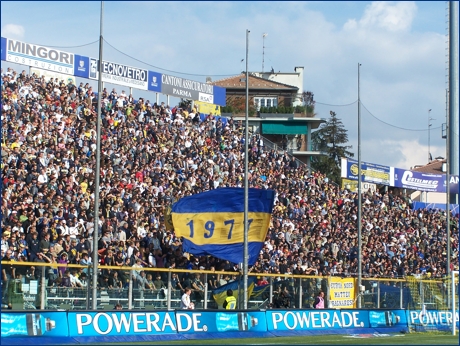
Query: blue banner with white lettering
{"points": [[419, 181], [316, 319], [81, 67], [431, 319], [121, 323], [228, 321]]}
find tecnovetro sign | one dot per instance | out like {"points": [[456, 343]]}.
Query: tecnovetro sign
{"points": [[120, 74], [38, 56]]}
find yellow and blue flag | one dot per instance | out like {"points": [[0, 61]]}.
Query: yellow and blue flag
{"points": [[220, 293], [212, 222], [260, 291]]}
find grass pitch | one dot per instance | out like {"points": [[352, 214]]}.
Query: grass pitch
{"points": [[356, 339]]}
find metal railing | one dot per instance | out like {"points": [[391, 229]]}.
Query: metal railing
{"points": [[45, 291]]}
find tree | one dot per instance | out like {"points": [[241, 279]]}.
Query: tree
{"points": [[309, 102], [330, 138]]}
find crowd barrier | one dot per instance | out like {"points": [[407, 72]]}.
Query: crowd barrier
{"points": [[118, 326], [39, 289]]}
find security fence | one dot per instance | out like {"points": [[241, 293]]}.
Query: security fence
{"points": [[69, 287]]}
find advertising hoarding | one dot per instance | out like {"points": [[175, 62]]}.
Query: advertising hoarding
{"points": [[154, 81], [201, 322], [207, 108], [121, 323], [39, 56], [82, 66], [3, 49], [316, 319], [186, 88], [371, 173], [352, 185], [120, 74], [407, 179], [34, 324], [342, 292], [50, 74], [434, 319]]}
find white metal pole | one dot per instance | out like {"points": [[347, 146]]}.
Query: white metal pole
{"points": [[246, 182], [98, 166], [429, 133], [359, 195], [454, 319]]}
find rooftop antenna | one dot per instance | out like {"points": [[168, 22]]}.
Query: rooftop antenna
{"points": [[263, 50]]}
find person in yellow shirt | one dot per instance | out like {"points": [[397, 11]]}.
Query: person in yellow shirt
{"points": [[230, 301], [84, 186]]}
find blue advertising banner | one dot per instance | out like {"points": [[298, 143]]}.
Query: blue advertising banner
{"points": [[316, 319], [419, 181], [434, 319], [454, 208], [82, 67], [33, 324], [3, 48], [154, 79], [121, 323], [454, 184], [216, 117], [220, 96], [200, 322], [371, 173], [387, 319]]}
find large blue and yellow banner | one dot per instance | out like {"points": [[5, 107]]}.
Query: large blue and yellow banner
{"points": [[212, 222]]}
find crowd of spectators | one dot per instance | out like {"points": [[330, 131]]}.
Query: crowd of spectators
{"points": [[151, 156]]}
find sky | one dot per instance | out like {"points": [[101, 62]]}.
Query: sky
{"points": [[401, 47]]}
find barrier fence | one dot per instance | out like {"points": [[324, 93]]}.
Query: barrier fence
{"points": [[215, 324], [40, 286]]}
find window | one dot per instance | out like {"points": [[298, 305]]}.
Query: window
{"points": [[265, 102]]}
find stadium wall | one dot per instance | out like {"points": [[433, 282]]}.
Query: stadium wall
{"points": [[18, 328]]}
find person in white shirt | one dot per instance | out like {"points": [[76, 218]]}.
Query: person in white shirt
{"points": [[43, 177], [185, 302]]}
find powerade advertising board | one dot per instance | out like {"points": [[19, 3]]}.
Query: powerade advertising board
{"points": [[316, 319], [434, 319], [34, 324], [121, 323], [335, 319], [199, 322]]}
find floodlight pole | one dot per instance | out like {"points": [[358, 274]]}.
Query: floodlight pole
{"points": [[359, 198], [98, 166], [246, 183]]}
